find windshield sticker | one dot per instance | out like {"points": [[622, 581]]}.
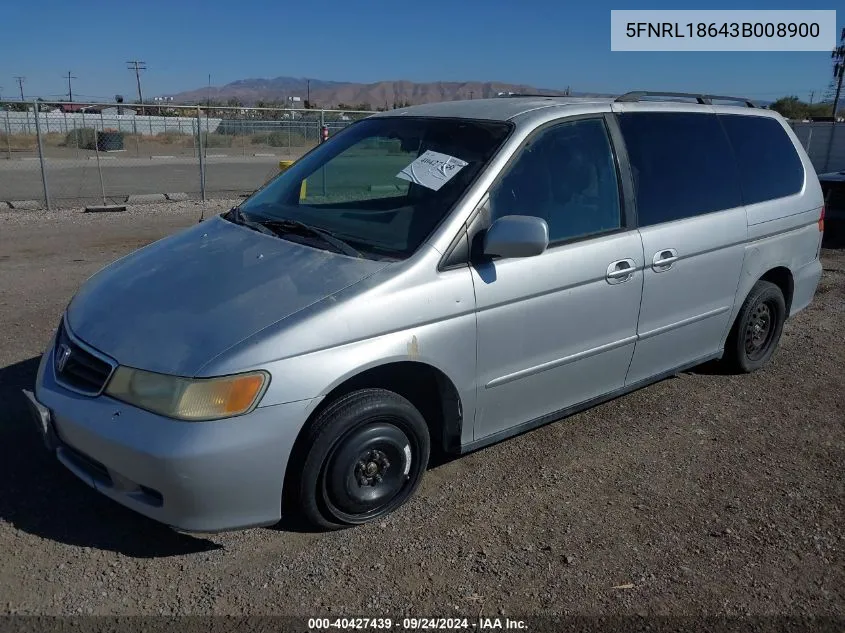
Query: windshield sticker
{"points": [[432, 169]]}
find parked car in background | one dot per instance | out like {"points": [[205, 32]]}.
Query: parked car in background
{"points": [[452, 275], [833, 188]]}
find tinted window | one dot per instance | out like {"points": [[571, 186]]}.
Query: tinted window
{"points": [[566, 176], [682, 165], [769, 166]]}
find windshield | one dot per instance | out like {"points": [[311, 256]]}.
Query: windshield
{"points": [[383, 184]]}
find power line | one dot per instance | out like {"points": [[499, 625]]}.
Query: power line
{"points": [[69, 87], [138, 66], [20, 81]]}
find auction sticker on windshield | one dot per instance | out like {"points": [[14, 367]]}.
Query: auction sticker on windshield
{"points": [[432, 169]]}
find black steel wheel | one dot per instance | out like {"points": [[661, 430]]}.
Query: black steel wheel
{"points": [[757, 329], [366, 456]]}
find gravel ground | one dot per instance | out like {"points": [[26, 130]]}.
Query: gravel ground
{"points": [[703, 494]]}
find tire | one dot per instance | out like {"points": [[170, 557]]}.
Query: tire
{"points": [[757, 329], [365, 455]]}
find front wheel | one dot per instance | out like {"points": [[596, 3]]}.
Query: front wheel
{"points": [[366, 454], [757, 329]]}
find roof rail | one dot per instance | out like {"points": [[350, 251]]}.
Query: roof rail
{"points": [[633, 97], [525, 94]]}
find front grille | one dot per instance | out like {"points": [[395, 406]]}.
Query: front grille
{"points": [[76, 367]]}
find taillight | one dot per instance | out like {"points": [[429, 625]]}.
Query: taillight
{"points": [[821, 221]]}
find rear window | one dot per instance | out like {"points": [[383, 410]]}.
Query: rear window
{"points": [[682, 165], [769, 167]]}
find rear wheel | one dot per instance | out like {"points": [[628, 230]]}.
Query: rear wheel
{"points": [[757, 329], [366, 454]]}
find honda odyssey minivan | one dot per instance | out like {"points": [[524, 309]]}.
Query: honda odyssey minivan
{"points": [[452, 274]]}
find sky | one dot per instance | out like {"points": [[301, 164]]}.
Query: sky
{"points": [[544, 43]]}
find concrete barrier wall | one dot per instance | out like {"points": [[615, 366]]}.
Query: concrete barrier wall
{"points": [[60, 122]]}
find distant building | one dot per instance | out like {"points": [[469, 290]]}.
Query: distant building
{"points": [[77, 107], [113, 110]]}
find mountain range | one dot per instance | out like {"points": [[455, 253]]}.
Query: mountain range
{"points": [[327, 94]]}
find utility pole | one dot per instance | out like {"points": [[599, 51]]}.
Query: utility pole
{"points": [[838, 57], [20, 81], [69, 87], [308, 92], [138, 66]]}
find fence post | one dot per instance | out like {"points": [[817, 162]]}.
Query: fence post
{"points": [[809, 139], [41, 157], [835, 152], [8, 136], [199, 147], [826, 167], [99, 167], [320, 140], [76, 134]]}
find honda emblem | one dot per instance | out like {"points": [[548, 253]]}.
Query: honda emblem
{"points": [[62, 357]]}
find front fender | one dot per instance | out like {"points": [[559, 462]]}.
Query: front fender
{"points": [[448, 346]]}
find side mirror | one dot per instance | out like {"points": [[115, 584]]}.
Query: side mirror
{"points": [[516, 236]]}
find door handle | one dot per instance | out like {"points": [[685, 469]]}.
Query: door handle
{"points": [[620, 271], [663, 259]]}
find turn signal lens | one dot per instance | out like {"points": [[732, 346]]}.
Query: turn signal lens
{"points": [[220, 397], [821, 221], [187, 398]]}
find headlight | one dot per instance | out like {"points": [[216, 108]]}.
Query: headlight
{"points": [[188, 398]]}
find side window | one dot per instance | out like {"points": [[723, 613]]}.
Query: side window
{"points": [[769, 166], [566, 176], [682, 164]]}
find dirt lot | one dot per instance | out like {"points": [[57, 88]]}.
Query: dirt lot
{"points": [[703, 494]]}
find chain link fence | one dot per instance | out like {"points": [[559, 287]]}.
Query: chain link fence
{"points": [[72, 154], [824, 142]]}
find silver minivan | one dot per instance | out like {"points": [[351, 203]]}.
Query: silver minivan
{"points": [[436, 278]]}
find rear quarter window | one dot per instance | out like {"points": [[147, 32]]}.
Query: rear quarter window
{"points": [[769, 167], [682, 165]]}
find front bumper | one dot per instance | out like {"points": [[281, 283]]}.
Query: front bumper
{"points": [[193, 476]]}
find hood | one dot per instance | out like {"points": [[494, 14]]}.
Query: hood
{"points": [[176, 304]]}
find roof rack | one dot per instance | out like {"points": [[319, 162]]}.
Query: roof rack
{"points": [[633, 97], [525, 94]]}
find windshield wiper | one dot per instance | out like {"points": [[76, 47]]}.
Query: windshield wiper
{"points": [[276, 228], [295, 226], [237, 216]]}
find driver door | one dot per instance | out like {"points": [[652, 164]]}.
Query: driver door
{"points": [[558, 329]]}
